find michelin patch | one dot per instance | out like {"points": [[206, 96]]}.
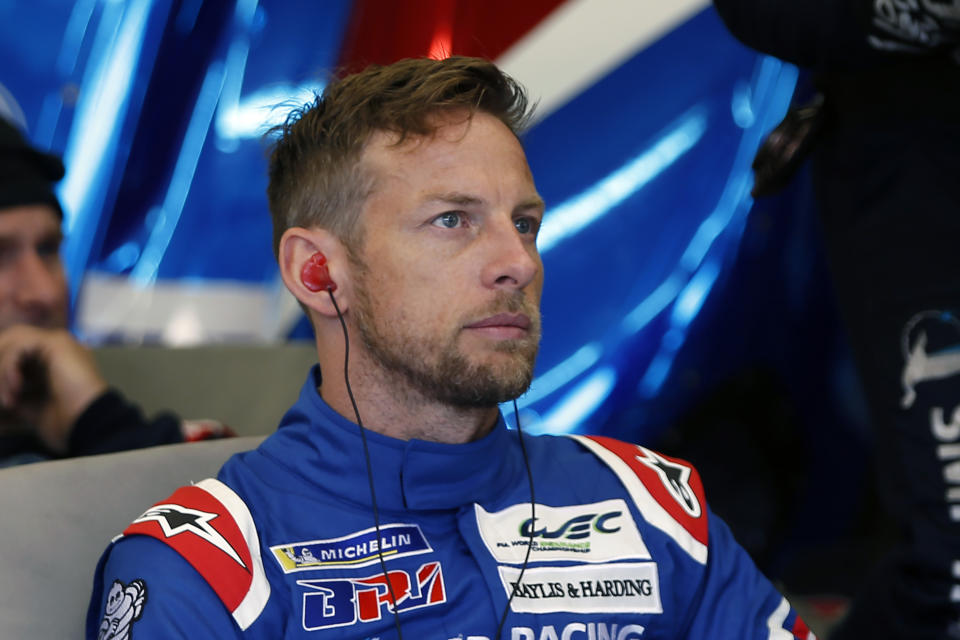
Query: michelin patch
{"points": [[595, 532], [358, 549], [611, 588], [124, 606]]}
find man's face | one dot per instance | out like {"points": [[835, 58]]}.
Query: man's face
{"points": [[448, 277], [33, 285]]}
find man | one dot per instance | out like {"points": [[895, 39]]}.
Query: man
{"points": [[403, 204], [53, 400], [883, 171]]}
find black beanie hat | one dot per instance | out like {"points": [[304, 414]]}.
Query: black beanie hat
{"points": [[27, 175]]}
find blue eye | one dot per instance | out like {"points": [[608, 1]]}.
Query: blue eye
{"points": [[524, 225], [448, 220]]}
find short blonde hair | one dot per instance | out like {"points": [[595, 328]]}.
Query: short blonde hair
{"points": [[315, 175]]}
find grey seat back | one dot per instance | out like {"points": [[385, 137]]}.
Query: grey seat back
{"points": [[57, 517]]}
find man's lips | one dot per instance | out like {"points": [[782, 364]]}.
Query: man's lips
{"points": [[518, 320], [503, 326]]}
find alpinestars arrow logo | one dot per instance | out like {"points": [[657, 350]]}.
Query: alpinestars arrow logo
{"points": [[175, 519], [675, 477]]}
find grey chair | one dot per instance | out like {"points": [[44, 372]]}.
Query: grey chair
{"points": [[57, 517]]}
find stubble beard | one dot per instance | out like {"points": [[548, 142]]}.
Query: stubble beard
{"points": [[434, 367]]}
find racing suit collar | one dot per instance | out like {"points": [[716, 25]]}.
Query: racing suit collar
{"points": [[412, 474]]}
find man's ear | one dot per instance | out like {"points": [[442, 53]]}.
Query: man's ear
{"points": [[298, 249]]}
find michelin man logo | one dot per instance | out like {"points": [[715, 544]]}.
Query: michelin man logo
{"points": [[124, 607]]}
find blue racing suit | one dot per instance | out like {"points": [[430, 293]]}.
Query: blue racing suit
{"points": [[283, 545]]}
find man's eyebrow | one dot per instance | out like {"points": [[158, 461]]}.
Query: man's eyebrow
{"points": [[14, 240], [53, 236], [453, 197], [464, 199], [535, 202]]}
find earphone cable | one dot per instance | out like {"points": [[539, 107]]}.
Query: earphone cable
{"points": [[533, 519], [373, 495], [366, 454]]}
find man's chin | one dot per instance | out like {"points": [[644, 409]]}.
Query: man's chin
{"points": [[479, 380], [485, 396], [504, 363], [505, 380]]}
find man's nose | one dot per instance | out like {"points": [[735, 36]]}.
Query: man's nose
{"points": [[513, 259], [40, 282]]}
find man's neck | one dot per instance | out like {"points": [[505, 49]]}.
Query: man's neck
{"points": [[390, 407]]}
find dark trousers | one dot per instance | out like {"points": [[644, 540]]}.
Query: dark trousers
{"points": [[889, 196]]}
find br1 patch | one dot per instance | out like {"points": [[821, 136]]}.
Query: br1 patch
{"points": [[630, 587], [338, 602]]}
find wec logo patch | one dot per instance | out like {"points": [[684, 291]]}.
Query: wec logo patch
{"points": [[346, 601], [595, 532], [576, 528]]}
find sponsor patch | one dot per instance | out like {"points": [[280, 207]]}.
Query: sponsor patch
{"points": [[923, 361], [124, 606], [210, 526], [675, 477], [930, 342], [596, 532], [570, 631], [176, 519], [667, 491], [346, 601], [589, 631], [357, 549], [611, 588]]}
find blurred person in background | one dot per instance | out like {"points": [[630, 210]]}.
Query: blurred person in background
{"points": [[54, 403], [884, 134]]}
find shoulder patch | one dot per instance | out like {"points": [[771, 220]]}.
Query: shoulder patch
{"points": [[210, 526], [667, 491], [123, 607]]}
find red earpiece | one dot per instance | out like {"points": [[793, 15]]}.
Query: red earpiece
{"points": [[315, 275]]}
